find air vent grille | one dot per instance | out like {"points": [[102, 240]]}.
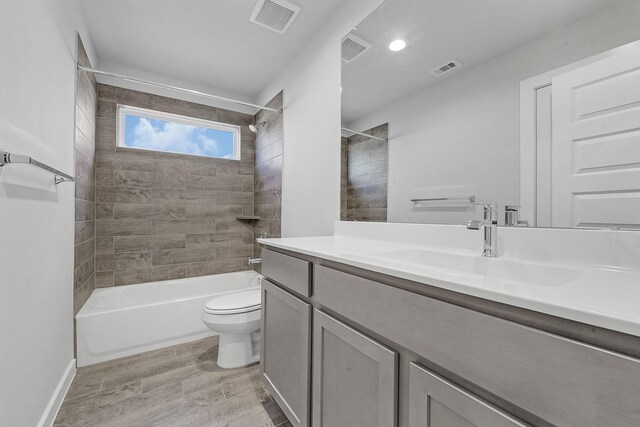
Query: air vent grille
{"points": [[449, 66], [352, 47], [276, 15]]}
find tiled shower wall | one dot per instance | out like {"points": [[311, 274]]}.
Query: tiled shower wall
{"points": [[269, 159], [85, 147], [164, 216], [364, 180]]}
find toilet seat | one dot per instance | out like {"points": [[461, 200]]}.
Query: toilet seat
{"points": [[235, 302]]}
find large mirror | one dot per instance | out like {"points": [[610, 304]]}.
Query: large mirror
{"points": [[532, 105]]}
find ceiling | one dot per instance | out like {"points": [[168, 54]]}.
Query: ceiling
{"points": [[438, 31], [208, 42]]}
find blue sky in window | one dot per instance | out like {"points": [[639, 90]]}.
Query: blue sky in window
{"points": [[161, 135]]}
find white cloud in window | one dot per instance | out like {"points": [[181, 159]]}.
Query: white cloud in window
{"points": [[174, 137]]}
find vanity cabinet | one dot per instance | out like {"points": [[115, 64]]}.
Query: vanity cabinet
{"points": [[436, 402], [354, 377], [286, 351], [438, 359]]}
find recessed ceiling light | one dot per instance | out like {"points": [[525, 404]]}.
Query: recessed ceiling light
{"points": [[397, 45]]}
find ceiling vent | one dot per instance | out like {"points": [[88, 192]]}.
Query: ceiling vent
{"points": [[448, 67], [352, 47], [276, 15]]}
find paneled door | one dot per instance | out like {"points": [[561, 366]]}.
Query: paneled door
{"points": [[285, 362], [596, 144], [436, 402], [354, 377]]}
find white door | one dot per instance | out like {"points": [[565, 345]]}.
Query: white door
{"points": [[596, 144]]}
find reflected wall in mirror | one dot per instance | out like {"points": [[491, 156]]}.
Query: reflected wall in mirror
{"points": [[533, 104]]}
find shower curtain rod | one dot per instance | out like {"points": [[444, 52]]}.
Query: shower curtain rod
{"points": [[177, 89], [365, 134]]}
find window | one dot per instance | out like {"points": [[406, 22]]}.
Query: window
{"points": [[171, 133]]}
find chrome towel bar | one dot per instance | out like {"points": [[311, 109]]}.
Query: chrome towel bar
{"points": [[8, 158], [470, 199]]}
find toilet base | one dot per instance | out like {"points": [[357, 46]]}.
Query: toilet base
{"points": [[236, 351]]}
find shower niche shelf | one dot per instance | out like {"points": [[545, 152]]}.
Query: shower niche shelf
{"points": [[248, 218]]}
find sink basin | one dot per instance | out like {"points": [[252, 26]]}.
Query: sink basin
{"points": [[461, 264]]}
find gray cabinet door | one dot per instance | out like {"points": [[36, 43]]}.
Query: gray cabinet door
{"points": [[286, 351], [436, 402], [354, 377]]}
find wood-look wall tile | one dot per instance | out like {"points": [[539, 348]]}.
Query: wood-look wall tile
{"points": [[191, 226], [82, 274], [234, 117], [148, 211], [83, 252], [103, 279], [84, 230], [132, 260], [81, 295], [85, 210], [370, 214], [105, 262], [166, 272], [124, 96], [125, 160], [122, 195], [214, 267], [234, 198], [106, 109], [214, 240], [234, 251], [185, 108], [210, 210], [123, 227], [183, 196], [148, 243], [104, 210], [200, 182], [130, 178], [231, 225], [84, 167], [182, 256], [104, 245], [104, 177]]}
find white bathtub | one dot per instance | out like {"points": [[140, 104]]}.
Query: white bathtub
{"points": [[125, 320]]}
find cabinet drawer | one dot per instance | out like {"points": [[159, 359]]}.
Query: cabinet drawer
{"points": [[562, 381], [436, 402], [290, 272]]}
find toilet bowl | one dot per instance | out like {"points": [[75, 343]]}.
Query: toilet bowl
{"points": [[236, 317]]}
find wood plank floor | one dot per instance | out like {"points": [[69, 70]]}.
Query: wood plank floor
{"points": [[174, 386]]}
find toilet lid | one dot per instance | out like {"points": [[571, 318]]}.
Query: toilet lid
{"points": [[235, 302]]}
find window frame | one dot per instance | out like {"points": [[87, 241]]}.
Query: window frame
{"points": [[123, 110]]}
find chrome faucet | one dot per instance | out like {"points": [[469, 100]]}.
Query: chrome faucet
{"points": [[489, 227]]}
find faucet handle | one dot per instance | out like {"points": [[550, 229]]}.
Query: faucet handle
{"points": [[490, 212], [473, 224]]}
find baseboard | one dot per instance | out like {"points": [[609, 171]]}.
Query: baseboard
{"points": [[55, 403]]}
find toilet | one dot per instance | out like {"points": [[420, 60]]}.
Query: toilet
{"points": [[236, 317]]}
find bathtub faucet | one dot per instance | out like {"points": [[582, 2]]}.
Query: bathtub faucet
{"points": [[255, 261]]}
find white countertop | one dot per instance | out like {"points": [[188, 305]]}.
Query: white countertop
{"points": [[601, 295]]}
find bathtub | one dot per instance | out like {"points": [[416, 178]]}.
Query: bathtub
{"points": [[125, 320]]}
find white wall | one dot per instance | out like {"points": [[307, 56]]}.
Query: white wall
{"points": [[464, 132], [37, 89], [311, 84]]}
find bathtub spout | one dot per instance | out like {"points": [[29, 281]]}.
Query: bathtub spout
{"points": [[255, 261]]}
